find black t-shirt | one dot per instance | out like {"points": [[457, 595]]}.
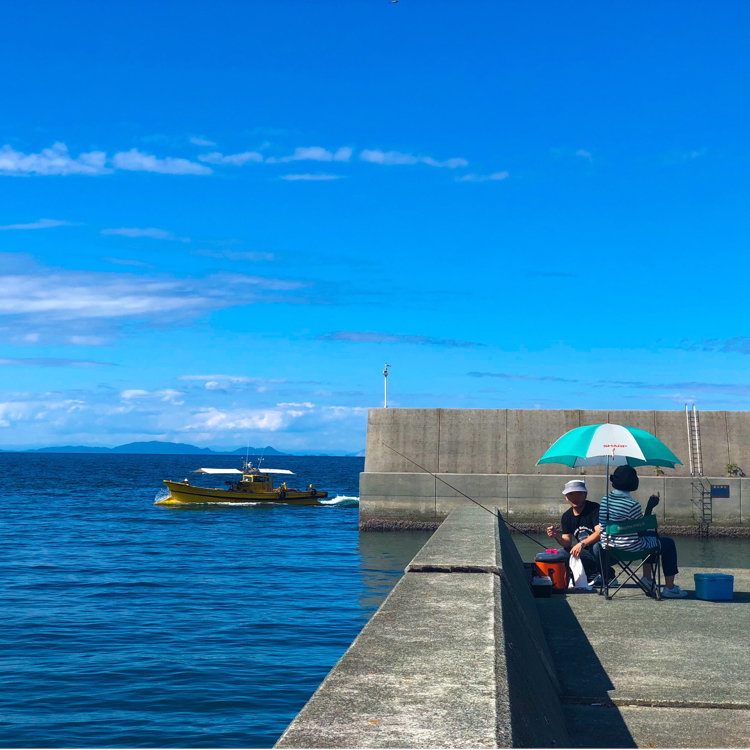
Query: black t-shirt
{"points": [[582, 526]]}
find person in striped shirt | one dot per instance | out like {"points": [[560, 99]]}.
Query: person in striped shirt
{"points": [[619, 506]]}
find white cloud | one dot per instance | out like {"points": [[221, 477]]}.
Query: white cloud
{"points": [[584, 154], [482, 177], [41, 224], [311, 177], [165, 395], [316, 153], [215, 420], [389, 158], [138, 161], [151, 232], [53, 409], [55, 160], [232, 382], [236, 160], [344, 412]]}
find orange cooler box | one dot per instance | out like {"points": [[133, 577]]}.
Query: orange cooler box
{"points": [[553, 563]]}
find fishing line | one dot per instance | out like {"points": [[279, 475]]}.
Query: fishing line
{"points": [[495, 513]]}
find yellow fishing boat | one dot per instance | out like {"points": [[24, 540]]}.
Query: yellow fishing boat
{"points": [[254, 485]]}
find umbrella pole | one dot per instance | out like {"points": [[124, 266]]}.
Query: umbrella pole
{"points": [[606, 494]]}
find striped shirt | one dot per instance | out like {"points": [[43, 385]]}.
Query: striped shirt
{"points": [[619, 506]]}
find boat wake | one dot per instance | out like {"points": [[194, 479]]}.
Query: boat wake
{"points": [[342, 501], [162, 494]]}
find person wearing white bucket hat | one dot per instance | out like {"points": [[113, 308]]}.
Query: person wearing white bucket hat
{"points": [[580, 529]]}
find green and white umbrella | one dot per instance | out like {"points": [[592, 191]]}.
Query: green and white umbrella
{"points": [[610, 444]]}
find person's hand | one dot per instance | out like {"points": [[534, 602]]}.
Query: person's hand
{"points": [[653, 501], [552, 532], [576, 550]]}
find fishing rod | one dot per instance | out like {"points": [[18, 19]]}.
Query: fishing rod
{"points": [[495, 513]]}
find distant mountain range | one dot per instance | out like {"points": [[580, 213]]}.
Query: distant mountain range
{"points": [[158, 447]]}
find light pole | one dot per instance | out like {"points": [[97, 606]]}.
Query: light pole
{"points": [[385, 380]]}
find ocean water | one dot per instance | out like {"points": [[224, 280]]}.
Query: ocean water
{"points": [[127, 624], [692, 552]]}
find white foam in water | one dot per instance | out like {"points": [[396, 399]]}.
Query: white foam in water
{"points": [[161, 495], [344, 501]]}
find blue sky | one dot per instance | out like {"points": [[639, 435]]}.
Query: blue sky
{"points": [[218, 220]]}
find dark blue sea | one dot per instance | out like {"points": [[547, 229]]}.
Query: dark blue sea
{"points": [[126, 624]]}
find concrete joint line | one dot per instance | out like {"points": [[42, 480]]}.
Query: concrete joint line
{"points": [[607, 702], [419, 568], [680, 704]]}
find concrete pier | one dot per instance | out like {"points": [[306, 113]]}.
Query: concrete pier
{"points": [[461, 655], [640, 673], [455, 656]]}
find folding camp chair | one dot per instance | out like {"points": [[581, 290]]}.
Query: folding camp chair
{"points": [[626, 559]]}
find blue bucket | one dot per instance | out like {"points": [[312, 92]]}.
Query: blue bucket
{"points": [[714, 587]]}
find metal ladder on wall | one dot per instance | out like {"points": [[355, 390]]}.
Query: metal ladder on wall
{"points": [[701, 489]]}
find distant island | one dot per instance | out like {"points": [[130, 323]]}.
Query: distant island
{"points": [[159, 447]]}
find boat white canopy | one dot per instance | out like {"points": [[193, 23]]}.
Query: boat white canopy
{"points": [[217, 471], [237, 471]]}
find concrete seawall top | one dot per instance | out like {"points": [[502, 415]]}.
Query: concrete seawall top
{"points": [[510, 441]]}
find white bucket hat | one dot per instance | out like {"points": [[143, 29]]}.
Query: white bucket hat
{"points": [[575, 485]]}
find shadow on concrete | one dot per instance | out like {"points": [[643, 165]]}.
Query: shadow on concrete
{"points": [[591, 718]]}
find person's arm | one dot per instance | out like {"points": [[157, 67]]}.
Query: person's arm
{"points": [[653, 501], [562, 539], [586, 543]]}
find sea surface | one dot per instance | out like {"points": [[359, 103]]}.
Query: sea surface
{"points": [[126, 624]]}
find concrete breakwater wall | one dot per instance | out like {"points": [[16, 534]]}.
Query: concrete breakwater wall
{"points": [[455, 657], [491, 455]]}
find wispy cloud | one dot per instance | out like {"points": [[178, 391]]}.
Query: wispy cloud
{"points": [[236, 160], [734, 345], [138, 161], [314, 153], [75, 303], [376, 156], [311, 177], [167, 395], [513, 376], [227, 383], [494, 177], [55, 160], [583, 154], [552, 274], [251, 255], [150, 232], [676, 156], [371, 337], [50, 362], [198, 141], [41, 224], [684, 386], [128, 262]]}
